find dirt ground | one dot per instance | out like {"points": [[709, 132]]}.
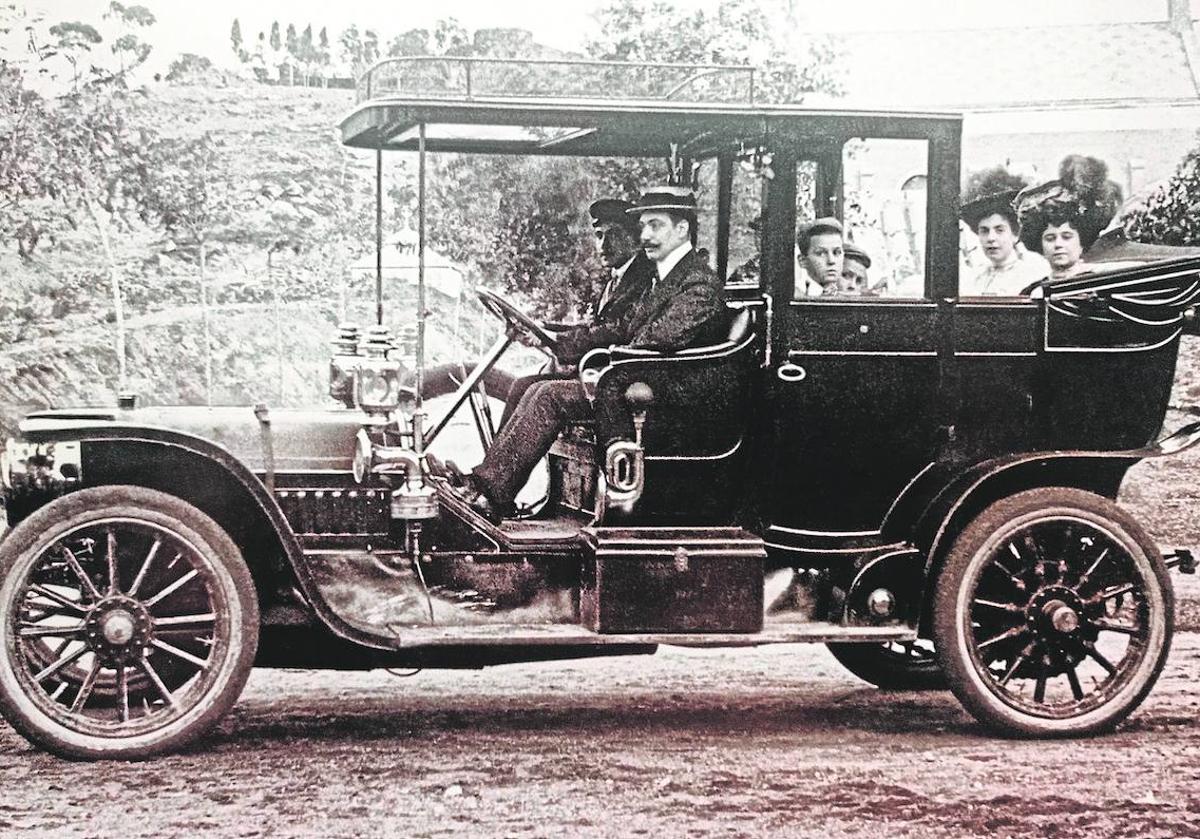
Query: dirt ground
{"points": [[777, 741]]}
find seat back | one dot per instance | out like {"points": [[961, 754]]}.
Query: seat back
{"points": [[695, 429]]}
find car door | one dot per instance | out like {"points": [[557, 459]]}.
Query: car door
{"points": [[857, 408]]}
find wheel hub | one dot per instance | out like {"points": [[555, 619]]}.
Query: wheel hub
{"points": [[118, 628], [1055, 611]]}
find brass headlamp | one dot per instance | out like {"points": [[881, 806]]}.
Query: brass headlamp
{"points": [[377, 376]]}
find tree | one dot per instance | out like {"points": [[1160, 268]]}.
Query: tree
{"points": [[276, 43], [307, 52], [370, 47], [74, 38], [25, 214], [235, 40], [129, 47], [412, 42], [792, 64], [190, 68], [450, 38], [350, 47], [193, 197], [1170, 214], [97, 168]]}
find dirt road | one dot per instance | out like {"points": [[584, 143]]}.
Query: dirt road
{"points": [[771, 742]]}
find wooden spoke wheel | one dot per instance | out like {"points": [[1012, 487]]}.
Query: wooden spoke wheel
{"points": [[1053, 614], [130, 624]]}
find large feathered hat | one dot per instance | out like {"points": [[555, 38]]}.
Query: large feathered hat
{"points": [[1082, 196], [991, 192]]}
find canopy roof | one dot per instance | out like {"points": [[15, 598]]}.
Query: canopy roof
{"points": [[536, 112]]}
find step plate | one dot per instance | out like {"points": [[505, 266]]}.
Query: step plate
{"points": [[408, 637]]}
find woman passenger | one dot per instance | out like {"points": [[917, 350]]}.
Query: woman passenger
{"points": [[1061, 219]]}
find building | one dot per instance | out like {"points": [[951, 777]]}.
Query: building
{"points": [[1128, 93]]}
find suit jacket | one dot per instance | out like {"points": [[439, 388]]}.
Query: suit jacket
{"points": [[622, 294], [685, 308]]}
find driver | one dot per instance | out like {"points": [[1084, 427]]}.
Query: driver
{"points": [[616, 232], [684, 306]]}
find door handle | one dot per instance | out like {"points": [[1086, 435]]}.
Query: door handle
{"points": [[790, 372]]}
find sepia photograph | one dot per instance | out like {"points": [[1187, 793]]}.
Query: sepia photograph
{"points": [[608, 418]]}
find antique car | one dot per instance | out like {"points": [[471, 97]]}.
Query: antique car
{"points": [[924, 481]]}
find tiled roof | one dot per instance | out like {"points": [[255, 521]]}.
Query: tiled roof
{"points": [[982, 69]]}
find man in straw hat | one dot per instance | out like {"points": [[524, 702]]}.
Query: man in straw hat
{"points": [[684, 306]]}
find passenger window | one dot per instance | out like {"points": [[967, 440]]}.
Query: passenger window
{"points": [[884, 217], [704, 181], [751, 173]]}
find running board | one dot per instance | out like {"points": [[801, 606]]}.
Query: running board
{"points": [[408, 637]]}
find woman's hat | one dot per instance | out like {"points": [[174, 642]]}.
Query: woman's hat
{"points": [[998, 203], [1082, 196]]}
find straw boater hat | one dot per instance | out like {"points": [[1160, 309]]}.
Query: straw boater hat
{"points": [[613, 211], [667, 199]]}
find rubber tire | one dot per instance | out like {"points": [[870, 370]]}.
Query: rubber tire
{"points": [[230, 576], [974, 545], [887, 670]]}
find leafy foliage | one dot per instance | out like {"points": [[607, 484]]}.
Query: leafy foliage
{"points": [[752, 32], [1170, 215]]}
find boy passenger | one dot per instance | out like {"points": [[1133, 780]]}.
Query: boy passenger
{"points": [[820, 255]]}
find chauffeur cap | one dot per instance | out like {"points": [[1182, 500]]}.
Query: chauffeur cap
{"points": [[613, 211]]}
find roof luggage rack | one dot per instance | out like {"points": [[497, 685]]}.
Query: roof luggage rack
{"points": [[447, 78]]}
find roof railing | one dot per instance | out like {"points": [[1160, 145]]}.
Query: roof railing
{"points": [[471, 78]]}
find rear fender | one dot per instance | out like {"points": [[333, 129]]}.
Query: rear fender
{"points": [[936, 507]]}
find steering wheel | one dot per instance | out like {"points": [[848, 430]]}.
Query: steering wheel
{"points": [[515, 319]]}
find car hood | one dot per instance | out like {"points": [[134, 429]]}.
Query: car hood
{"points": [[302, 440]]}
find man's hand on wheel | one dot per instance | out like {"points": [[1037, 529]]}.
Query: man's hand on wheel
{"points": [[525, 338]]}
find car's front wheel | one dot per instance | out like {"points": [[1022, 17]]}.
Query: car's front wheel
{"points": [[1052, 614], [130, 624]]}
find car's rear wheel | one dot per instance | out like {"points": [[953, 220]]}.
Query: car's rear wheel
{"points": [[896, 665], [130, 624], [1052, 614]]}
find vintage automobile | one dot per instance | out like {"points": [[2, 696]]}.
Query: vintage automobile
{"points": [[922, 480]]}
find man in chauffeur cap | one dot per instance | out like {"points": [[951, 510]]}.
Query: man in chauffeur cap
{"points": [[616, 231], [683, 306]]}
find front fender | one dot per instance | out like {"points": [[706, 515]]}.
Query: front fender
{"points": [[211, 478]]}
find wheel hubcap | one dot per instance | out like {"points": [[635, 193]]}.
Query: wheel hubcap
{"points": [[118, 628]]}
